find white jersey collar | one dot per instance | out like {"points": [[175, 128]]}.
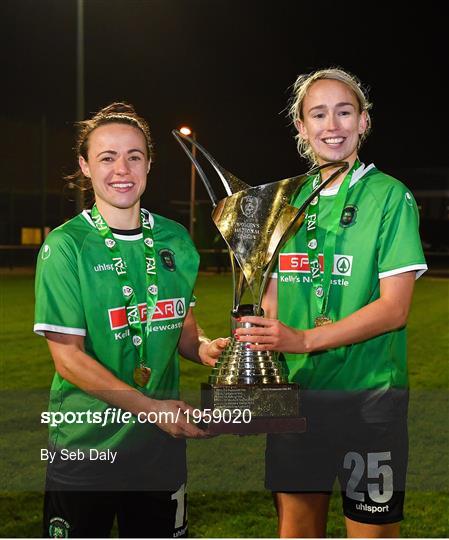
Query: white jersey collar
{"points": [[148, 219], [356, 176]]}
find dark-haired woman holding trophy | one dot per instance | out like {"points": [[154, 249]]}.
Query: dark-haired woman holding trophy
{"points": [[337, 308], [114, 297]]}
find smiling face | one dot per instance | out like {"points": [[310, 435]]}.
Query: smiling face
{"points": [[331, 121], [117, 164]]}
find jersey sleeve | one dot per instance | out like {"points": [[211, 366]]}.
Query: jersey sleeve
{"points": [[58, 305], [399, 244]]}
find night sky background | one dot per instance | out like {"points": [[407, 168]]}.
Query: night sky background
{"points": [[224, 67]]}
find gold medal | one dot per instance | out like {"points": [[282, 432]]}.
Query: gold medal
{"points": [[322, 320], [142, 375]]}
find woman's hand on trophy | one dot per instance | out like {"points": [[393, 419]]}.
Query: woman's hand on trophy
{"points": [[177, 418], [209, 351], [270, 335]]}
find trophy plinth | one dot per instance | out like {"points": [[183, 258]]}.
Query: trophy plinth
{"points": [[254, 408], [248, 391]]}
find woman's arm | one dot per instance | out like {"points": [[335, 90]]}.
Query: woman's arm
{"points": [[80, 369], [194, 344], [388, 312]]}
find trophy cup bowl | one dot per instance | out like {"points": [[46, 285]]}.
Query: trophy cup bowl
{"points": [[248, 391]]}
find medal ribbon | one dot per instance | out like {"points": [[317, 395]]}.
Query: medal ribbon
{"points": [[321, 281], [128, 290]]}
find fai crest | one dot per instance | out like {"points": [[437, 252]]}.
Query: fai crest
{"points": [[168, 259], [249, 205]]}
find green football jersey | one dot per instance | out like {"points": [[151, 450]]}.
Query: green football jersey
{"points": [[78, 292], [377, 237]]}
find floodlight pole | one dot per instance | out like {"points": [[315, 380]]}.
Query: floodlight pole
{"points": [[80, 83], [44, 172]]}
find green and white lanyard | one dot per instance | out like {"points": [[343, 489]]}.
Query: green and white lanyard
{"points": [[321, 281], [141, 372]]}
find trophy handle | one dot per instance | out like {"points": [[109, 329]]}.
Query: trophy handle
{"points": [[230, 182], [343, 166]]}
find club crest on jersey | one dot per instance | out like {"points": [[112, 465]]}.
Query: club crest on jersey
{"points": [[59, 528], [120, 265], [168, 259], [151, 265], [127, 291], [349, 216], [109, 242]]}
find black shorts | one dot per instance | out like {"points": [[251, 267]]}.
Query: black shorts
{"points": [[369, 460], [140, 514]]}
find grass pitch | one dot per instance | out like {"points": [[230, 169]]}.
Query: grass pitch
{"points": [[227, 498]]}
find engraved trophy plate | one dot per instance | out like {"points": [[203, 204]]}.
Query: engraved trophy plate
{"points": [[255, 222]]}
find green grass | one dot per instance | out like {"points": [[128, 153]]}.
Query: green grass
{"points": [[227, 498]]}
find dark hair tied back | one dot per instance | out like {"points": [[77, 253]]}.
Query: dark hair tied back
{"points": [[115, 113]]}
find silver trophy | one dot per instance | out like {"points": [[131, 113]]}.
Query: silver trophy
{"points": [[255, 223]]}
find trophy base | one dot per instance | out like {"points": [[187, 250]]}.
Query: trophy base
{"points": [[245, 409]]}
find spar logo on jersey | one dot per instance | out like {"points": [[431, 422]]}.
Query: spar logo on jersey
{"points": [[165, 310], [299, 262]]}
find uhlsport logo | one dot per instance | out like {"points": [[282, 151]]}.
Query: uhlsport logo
{"points": [[59, 528], [120, 265], [409, 199], [299, 262], [173, 308], [46, 252]]}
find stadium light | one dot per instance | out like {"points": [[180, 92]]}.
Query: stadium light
{"points": [[185, 130]]}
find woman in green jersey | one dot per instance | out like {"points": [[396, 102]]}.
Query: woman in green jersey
{"points": [[114, 297], [342, 330]]}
